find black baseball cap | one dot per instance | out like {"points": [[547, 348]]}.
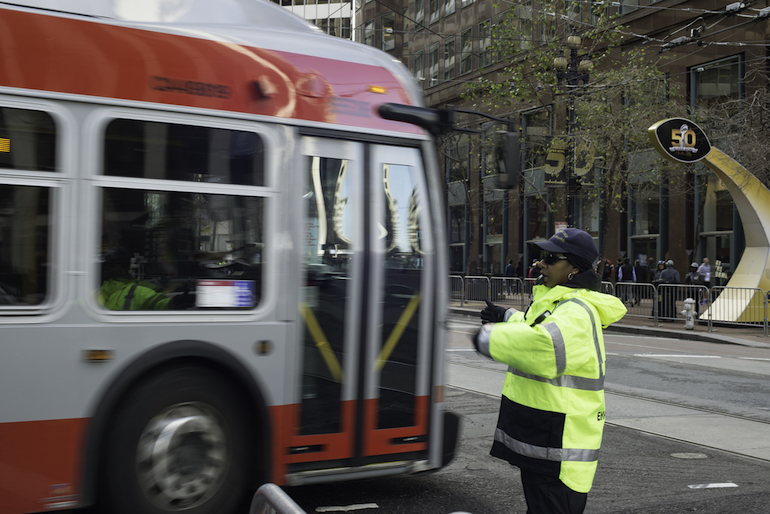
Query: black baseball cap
{"points": [[577, 244]]}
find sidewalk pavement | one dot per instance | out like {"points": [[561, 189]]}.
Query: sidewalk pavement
{"points": [[644, 326]]}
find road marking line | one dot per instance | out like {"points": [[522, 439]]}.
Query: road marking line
{"points": [[754, 358], [677, 356], [348, 508], [460, 350], [712, 486]]}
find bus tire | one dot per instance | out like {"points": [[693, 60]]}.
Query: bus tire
{"points": [[178, 442]]}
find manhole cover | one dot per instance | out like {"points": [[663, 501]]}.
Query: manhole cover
{"points": [[690, 455]]}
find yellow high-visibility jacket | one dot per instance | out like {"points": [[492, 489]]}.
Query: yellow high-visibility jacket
{"points": [[123, 294], [552, 412]]}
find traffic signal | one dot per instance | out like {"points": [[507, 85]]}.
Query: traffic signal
{"points": [[507, 154]]}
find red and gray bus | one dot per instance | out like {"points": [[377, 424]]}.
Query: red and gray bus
{"points": [[220, 265]]}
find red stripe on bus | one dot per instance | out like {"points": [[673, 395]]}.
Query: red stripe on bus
{"points": [[381, 441], [338, 446], [335, 446], [51, 53], [40, 464]]}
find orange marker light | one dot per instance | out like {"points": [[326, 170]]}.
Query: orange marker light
{"points": [[377, 89], [98, 355]]}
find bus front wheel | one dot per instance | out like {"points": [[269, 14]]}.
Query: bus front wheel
{"points": [[178, 442]]}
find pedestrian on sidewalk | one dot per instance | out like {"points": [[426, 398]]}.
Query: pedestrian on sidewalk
{"points": [[668, 294], [641, 273], [693, 279], [626, 277], [552, 411], [704, 271], [657, 271], [510, 271]]}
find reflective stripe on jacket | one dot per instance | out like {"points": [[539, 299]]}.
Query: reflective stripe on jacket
{"points": [[552, 412]]}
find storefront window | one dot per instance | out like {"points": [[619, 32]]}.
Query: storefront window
{"points": [[645, 209], [449, 58], [526, 25], [716, 228], [588, 212], [538, 218], [388, 31], [717, 81], [485, 40], [457, 224], [537, 132], [434, 11], [419, 68]]}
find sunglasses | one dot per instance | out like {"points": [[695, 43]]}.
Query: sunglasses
{"points": [[551, 258]]}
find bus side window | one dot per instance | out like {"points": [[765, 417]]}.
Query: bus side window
{"points": [[198, 247], [24, 245], [27, 143]]}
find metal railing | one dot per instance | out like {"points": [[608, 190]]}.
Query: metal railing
{"points": [[608, 288], [640, 299], [509, 291], [477, 288], [456, 290], [660, 302], [738, 305], [271, 499], [670, 301]]}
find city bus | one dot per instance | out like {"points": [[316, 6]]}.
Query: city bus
{"points": [[220, 265]]}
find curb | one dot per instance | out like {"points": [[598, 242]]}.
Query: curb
{"points": [[683, 335], [688, 335]]}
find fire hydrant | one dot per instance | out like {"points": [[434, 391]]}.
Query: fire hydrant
{"points": [[689, 313]]}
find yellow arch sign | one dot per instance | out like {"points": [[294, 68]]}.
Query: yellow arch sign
{"points": [[682, 140]]}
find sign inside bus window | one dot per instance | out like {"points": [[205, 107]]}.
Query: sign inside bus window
{"points": [[5, 145], [224, 293]]}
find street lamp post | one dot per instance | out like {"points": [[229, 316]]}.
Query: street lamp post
{"points": [[573, 71]]}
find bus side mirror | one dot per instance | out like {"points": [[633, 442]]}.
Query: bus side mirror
{"points": [[508, 160]]}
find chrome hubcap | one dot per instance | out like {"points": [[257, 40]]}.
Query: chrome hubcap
{"points": [[181, 456]]}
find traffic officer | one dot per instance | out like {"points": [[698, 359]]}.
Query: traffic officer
{"points": [[120, 292], [552, 411]]}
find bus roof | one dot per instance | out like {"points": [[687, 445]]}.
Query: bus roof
{"points": [[249, 56]]}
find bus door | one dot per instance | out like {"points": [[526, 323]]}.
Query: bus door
{"points": [[368, 255]]}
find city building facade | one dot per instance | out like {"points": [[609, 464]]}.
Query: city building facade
{"points": [[334, 17]]}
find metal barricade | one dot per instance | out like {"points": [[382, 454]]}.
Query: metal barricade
{"points": [[670, 300], [661, 302], [506, 291], [456, 289], [527, 294], [737, 305], [608, 288], [638, 298], [476, 288], [271, 499]]}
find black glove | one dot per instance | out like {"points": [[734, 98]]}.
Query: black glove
{"points": [[493, 313]]}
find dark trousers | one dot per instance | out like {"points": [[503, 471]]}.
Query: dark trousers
{"points": [[548, 495]]}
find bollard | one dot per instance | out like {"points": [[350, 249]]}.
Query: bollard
{"points": [[689, 313]]}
